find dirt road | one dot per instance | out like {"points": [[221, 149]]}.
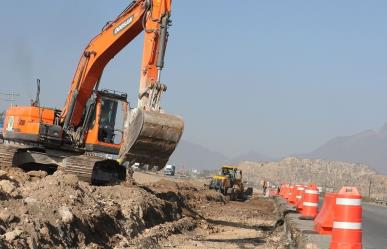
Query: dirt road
{"points": [[223, 224], [232, 225]]}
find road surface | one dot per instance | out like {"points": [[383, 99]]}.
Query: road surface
{"points": [[374, 227]]}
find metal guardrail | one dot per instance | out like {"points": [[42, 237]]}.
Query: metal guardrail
{"points": [[381, 202]]}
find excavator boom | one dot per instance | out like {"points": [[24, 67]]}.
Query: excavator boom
{"points": [[139, 16], [76, 137], [150, 135]]}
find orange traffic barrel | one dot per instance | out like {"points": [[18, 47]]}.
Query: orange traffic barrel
{"points": [[292, 194], [296, 194], [299, 197], [310, 203], [347, 231], [324, 220], [289, 193], [286, 191], [292, 199], [282, 189]]}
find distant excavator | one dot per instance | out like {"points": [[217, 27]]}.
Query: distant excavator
{"points": [[95, 124]]}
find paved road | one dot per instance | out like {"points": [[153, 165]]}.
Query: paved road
{"points": [[374, 227]]}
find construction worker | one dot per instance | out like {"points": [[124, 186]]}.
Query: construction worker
{"points": [[264, 187]]}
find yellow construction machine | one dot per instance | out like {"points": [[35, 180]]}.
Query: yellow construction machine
{"points": [[229, 182]]}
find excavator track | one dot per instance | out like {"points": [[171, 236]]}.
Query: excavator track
{"points": [[7, 153], [94, 170]]}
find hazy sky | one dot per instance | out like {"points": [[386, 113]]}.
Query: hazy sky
{"points": [[278, 77]]}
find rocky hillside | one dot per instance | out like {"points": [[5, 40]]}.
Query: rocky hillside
{"points": [[330, 174]]}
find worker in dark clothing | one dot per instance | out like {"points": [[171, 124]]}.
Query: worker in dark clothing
{"points": [[264, 187]]}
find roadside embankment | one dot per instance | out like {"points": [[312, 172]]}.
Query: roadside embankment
{"points": [[299, 232]]}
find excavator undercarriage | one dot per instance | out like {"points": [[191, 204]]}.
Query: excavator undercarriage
{"points": [[92, 169], [148, 138]]}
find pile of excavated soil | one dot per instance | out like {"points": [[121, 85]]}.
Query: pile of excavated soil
{"points": [[58, 211]]}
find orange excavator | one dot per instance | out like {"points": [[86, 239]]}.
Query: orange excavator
{"points": [[97, 132]]}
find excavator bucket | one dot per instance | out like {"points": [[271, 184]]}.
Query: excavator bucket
{"points": [[150, 137]]}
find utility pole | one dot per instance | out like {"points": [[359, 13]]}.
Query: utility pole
{"points": [[9, 97], [369, 188]]}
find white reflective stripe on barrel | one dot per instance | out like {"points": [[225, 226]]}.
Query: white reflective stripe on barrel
{"points": [[347, 225], [348, 202], [310, 204], [300, 188], [298, 196], [313, 192]]}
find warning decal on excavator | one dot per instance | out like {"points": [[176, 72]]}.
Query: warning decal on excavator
{"points": [[123, 25], [10, 123]]}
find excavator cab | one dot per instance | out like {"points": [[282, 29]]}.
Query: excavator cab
{"points": [[106, 125], [136, 135], [107, 121]]}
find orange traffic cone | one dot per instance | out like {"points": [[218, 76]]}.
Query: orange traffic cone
{"points": [[347, 232], [310, 203], [324, 220]]}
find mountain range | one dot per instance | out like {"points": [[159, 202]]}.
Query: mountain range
{"points": [[368, 147], [189, 155]]}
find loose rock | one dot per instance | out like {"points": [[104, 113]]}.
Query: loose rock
{"points": [[39, 174], [6, 216], [3, 174], [66, 215], [7, 186], [10, 236]]}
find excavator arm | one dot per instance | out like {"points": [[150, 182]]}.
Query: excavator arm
{"points": [[150, 135], [151, 16], [75, 138]]}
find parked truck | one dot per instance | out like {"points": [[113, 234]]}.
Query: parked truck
{"points": [[169, 170]]}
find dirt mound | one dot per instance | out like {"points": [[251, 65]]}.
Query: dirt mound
{"points": [[58, 211], [191, 192]]}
